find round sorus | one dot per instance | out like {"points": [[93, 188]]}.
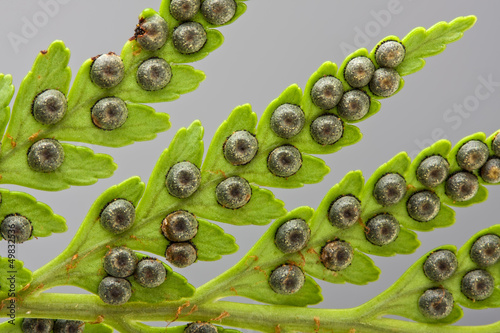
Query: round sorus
{"points": [[152, 33], [115, 291], [344, 212], [218, 11], [287, 121], [200, 327], [490, 171], [45, 155], [184, 10], [462, 186], [389, 189], [436, 303], [385, 82], [68, 326], [440, 265], [495, 145], [181, 254], [354, 105], [337, 255], [16, 228], [109, 113], [327, 129], [183, 179], [107, 70], [472, 155], [478, 285], [189, 37], [118, 216], [49, 107], [382, 229], [359, 71], [292, 236], [326, 92], [433, 171], [120, 262], [154, 74], [150, 273], [179, 226], [423, 206], [287, 279], [37, 325], [390, 54], [233, 192], [284, 161], [486, 250], [240, 148]]}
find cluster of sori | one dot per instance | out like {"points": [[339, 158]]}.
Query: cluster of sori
{"points": [[200, 327], [182, 180], [33, 325], [189, 37], [477, 284], [16, 228], [121, 262]]}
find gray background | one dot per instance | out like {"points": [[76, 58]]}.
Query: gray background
{"points": [[275, 44]]}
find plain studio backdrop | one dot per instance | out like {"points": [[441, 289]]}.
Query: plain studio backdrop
{"points": [[275, 44]]}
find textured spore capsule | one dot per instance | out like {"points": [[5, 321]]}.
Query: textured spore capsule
{"points": [[181, 254], [287, 120], [385, 82], [327, 129], [354, 105], [107, 71], [462, 186], [495, 145], [359, 71], [183, 179], [150, 273], [436, 303], [472, 155], [390, 54], [109, 113], [284, 161], [46, 155], [189, 37], [478, 285], [179, 226], [490, 171], [344, 212], [200, 327], [389, 189], [16, 228], [337, 255], [69, 326], [184, 10], [326, 92], [240, 148], [154, 74], [382, 229], [440, 265], [218, 11], [486, 250], [49, 107], [37, 325], [423, 206], [152, 33], [433, 171], [115, 291], [287, 279], [118, 216], [120, 262], [292, 236], [233, 192]]}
